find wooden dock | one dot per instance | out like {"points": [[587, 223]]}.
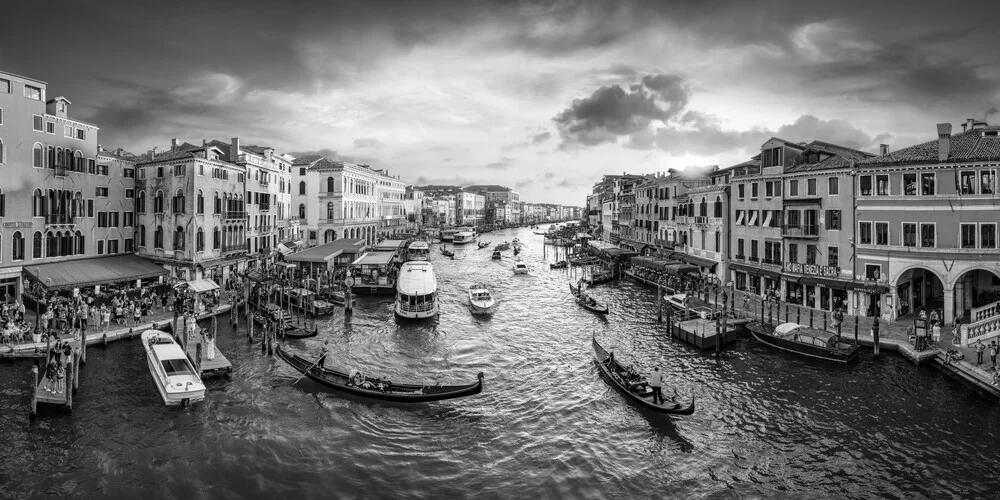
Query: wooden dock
{"points": [[208, 368], [55, 394], [701, 333]]}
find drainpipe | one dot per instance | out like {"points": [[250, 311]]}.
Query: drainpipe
{"points": [[854, 233]]}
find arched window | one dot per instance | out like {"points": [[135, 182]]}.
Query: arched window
{"points": [[329, 184], [52, 157], [17, 246], [67, 244], [3, 153], [78, 162], [50, 245], [216, 239], [200, 240], [329, 210], [140, 203], [703, 209], [37, 156], [179, 202], [218, 204], [158, 237], [79, 243], [60, 158], [36, 245], [179, 238], [302, 210], [158, 203], [718, 207], [201, 202], [328, 236]]}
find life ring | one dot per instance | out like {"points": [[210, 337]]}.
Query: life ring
{"points": [[358, 378], [349, 281]]}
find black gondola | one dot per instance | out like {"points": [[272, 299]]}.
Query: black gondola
{"points": [[360, 385], [562, 264], [497, 255], [575, 290], [589, 303], [628, 383]]}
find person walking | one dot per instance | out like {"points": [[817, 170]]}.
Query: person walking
{"points": [[993, 353], [655, 381], [980, 347], [106, 317]]}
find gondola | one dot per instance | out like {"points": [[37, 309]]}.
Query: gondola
{"points": [[562, 264], [370, 387], [588, 303], [497, 255], [575, 290], [447, 253], [484, 244], [627, 382]]}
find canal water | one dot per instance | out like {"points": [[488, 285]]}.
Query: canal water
{"points": [[768, 424]]}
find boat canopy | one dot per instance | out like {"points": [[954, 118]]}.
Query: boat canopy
{"points": [[374, 259], [669, 266], [390, 245], [806, 335]]}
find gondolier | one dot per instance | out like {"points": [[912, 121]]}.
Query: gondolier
{"points": [[321, 362], [655, 381]]}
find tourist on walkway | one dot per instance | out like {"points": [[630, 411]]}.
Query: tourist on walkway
{"points": [[980, 347], [656, 383], [106, 317], [136, 313], [993, 353]]}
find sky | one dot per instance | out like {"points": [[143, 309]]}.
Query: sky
{"points": [[543, 97]]}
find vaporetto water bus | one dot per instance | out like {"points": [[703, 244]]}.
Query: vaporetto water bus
{"points": [[464, 237], [418, 250], [416, 291]]}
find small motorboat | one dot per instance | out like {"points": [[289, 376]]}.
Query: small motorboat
{"points": [[520, 267], [806, 341], [630, 383], [497, 255], [359, 384], [562, 264], [175, 378], [481, 299], [588, 302], [447, 253], [691, 305], [503, 246], [484, 244]]}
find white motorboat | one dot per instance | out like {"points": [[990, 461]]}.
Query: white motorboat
{"points": [[481, 299], [520, 267], [173, 374]]}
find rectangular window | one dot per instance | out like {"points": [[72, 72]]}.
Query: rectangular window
{"points": [[302, 171], [882, 233], [102, 219], [753, 218], [102, 169], [833, 220], [179, 170], [833, 184], [753, 191], [865, 185], [793, 253], [68, 131], [753, 251], [910, 184], [794, 219], [968, 236], [201, 169], [81, 134], [102, 191], [130, 193], [987, 182], [909, 234], [768, 219], [129, 173], [129, 248], [90, 208], [36, 123], [927, 185], [927, 235], [988, 235], [811, 253], [159, 171], [50, 128], [873, 271], [100, 247], [793, 188], [811, 187], [769, 189], [739, 217], [741, 189], [91, 166], [33, 92], [739, 249], [865, 233], [882, 185], [833, 256], [4, 86], [113, 219], [968, 183]]}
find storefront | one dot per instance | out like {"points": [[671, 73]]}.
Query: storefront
{"points": [[11, 285]]}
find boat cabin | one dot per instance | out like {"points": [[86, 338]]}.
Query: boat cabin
{"points": [[418, 250], [806, 335], [374, 273]]}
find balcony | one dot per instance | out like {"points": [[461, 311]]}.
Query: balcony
{"points": [[681, 219], [61, 171], [800, 231], [740, 257], [754, 258], [701, 219], [234, 215], [264, 183], [264, 208], [226, 249], [326, 194], [63, 218]]}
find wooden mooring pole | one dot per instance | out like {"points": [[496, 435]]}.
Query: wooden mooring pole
{"points": [[33, 377]]}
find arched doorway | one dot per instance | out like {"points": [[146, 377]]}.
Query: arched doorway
{"points": [[917, 289], [974, 290], [328, 236]]}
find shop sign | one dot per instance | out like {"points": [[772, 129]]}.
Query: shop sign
{"points": [[812, 270], [17, 224]]}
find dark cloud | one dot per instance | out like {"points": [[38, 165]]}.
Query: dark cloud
{"points": [[612, 111], [540, 138]]}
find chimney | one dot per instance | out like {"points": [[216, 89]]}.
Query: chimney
{"points": [[944, 141], [173, 144], [204, 142], [100, 149], [119, 151], [268, 155], [883, 149], [969, 124], [152, 153], [234, 149]]}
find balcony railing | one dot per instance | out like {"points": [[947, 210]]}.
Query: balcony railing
{"points": [[264, 208], [740, 257], [681, 219], [336, 192], [234, 215], [60, 219], [800, 231], [234, 248], [700, 219], [773, 262]]}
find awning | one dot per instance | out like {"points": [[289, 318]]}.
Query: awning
{"points": [[679, 269], [827, 282], [698, 261], [202, 285], [98, 271]]}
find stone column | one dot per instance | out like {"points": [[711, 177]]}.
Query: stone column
{"points": [[949, 306]]}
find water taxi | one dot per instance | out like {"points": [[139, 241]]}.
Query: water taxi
{"points": [[418, 250], [464, 237], [175, 378], [689, 304], [416, 291], [520, 267], [806, 341], [481, 299]]}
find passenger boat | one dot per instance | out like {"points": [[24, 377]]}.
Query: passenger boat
{"points": [[497, 255], [599, 277], [464, 237], [520, 267], [628, 382], [481, 299], [588, 302], [484, 244], [416, 291], [689, 304], [359, 384], [562, 264], [448, 235], [803, 340], [173, 375], [418, 250]]}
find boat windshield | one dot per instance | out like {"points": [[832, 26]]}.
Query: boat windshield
{"points": [[176, 367]]}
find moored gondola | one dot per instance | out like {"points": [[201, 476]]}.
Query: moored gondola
{"points": [[359, 384], [629, 383], [575, 290]]}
